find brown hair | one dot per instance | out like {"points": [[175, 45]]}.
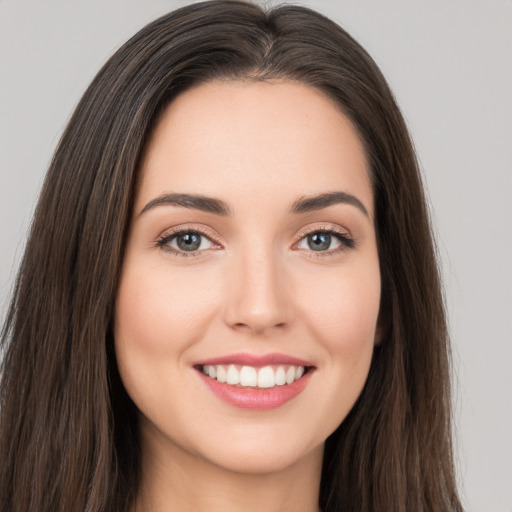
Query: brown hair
{"points": [[68, 431]]}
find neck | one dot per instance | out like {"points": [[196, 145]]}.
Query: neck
{"points": [[174, 480]]}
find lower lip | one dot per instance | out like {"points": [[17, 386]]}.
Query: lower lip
{"points": [[256, 398]]}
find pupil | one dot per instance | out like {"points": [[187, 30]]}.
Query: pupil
{"points": [[189, 241], [319, 241]]}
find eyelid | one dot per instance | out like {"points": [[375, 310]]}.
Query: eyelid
{"points": [[323, 227], [189, 228], [168, 234], [347, 242]]}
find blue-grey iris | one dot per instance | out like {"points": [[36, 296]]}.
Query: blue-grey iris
{"points": [[319, 241], [189, 241]]}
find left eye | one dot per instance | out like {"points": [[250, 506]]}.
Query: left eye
{"points": [[187, 241], [320, 241]]}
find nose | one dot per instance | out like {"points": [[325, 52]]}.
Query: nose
{"points": [[258, 299]]}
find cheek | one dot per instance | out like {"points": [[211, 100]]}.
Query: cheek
{"points": [[158, 312], [340, 312], [342, 309], [159, 315]]}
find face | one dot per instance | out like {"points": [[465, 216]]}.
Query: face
{"points": [[252, 258]]}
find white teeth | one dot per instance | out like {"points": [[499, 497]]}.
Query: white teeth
{"points": [[222, 375], [233, 376], [280, 376], [248, 376], [266, 378]]}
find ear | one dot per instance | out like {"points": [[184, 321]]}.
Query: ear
{"points": [[383, 328], [380, 334]]}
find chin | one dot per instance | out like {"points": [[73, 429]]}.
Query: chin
{"points": [[263, 460]]}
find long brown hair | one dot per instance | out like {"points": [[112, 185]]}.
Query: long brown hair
{"points": [[68, 431]]}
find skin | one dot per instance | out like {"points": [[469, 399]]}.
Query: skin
{"points": [[254, 286]]}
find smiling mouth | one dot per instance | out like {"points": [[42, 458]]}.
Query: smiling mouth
{"points": [[265, 377]]}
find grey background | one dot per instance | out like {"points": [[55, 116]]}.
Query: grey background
{"points": [[450, 66]]}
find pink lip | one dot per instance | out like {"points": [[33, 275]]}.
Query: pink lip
{"points": [[257, 399], [254, 360]]}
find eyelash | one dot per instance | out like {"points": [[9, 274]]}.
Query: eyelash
{"points": [[346, 241], [343, 237]]}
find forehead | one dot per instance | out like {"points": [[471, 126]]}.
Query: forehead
{"points": [[254, 142]]}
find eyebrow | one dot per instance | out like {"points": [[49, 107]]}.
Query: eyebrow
{"points": [[310, 203], [211, 205], [192, 201]]}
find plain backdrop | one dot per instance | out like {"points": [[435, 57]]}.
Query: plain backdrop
{"points": [[450, 66]]}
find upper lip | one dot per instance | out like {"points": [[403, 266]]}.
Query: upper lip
{"points": [[254, 360]]}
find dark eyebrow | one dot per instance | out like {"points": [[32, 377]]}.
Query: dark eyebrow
{"points": [[211, 205], [310, 203], [196, 202]]}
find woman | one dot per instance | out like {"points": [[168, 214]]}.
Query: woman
{"points": [[230, 297]]}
